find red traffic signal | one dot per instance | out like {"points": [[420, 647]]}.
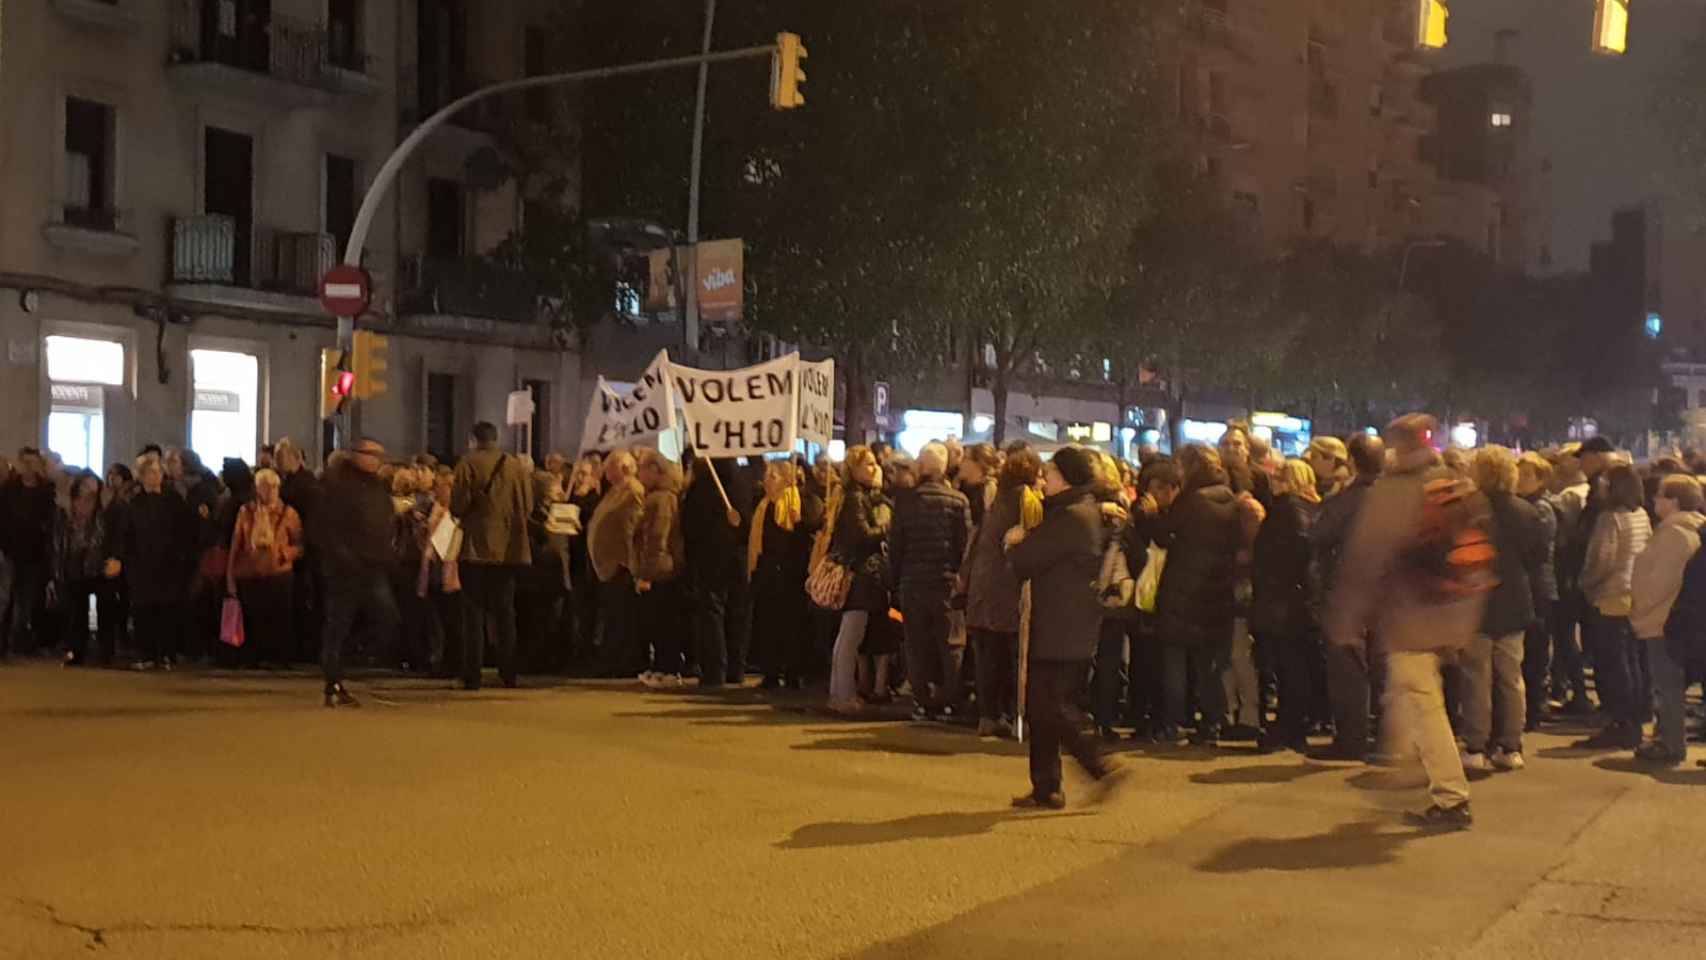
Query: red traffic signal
{"points": [[344, 385]]}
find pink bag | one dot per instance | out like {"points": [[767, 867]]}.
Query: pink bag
{"points": [[231, 623]]}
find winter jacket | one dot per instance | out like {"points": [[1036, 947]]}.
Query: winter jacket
{"points": [[1546, 585], [992, 591], [610, 535], [493, 497], [1202, 534], [1657, 576], [26, 521], [1333, 530], [979, 496], [861, 529], [1282, 574], [1618, 538], [352, 530], [660, 551], [1063, 558], [783, 555], [301, 490], [80, 552], [1522, 548], [1375, 592], [928, 539], [256, 550], [157, 549], [716, 551]]}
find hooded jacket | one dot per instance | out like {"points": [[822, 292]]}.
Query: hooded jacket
{"points": [[1063, 558], [1657, 577], [1202, 534]]}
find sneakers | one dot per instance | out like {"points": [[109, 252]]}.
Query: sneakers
{"points": [[337, 696], [1030, 801], [1441, 818], [142, 666], [1476, 762], [650, 678], [1654, 754], [1508, 760]]}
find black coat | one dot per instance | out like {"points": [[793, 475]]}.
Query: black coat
{"points": [[157, 548], [928, 540], [1063, 559], [26, 521], [353, 522], [1283, 573], [783, 555], [1333, 530], [716, 552], [857, 541], [1202, 534], [1522, 551]]}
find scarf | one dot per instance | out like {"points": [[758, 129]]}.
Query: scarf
{"points": [[264, 530], [1030, 508], [787, 511]]}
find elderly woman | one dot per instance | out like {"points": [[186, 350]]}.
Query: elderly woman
{"points": [[82, 566], [778, 552], [265, 545], [156, 550], [1283, 611], [992, 596]]}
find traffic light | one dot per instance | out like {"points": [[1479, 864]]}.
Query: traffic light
{"points": [[786, 76], [1611, 27], [369, 365], [336, 381], [1431, 17]]}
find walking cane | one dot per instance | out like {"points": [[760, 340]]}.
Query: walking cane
{"points": [[1024, 657]]}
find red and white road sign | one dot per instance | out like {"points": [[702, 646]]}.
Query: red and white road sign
{"points": [[345, 290]]}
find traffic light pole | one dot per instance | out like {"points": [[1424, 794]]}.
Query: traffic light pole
{"points": [[690, 310]]}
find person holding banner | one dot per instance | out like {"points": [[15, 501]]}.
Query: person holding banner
{"points": [[1062, 558], [716, 565], [859, 517]]}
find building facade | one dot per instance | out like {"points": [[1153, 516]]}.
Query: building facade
{"points": [[178, 174]]}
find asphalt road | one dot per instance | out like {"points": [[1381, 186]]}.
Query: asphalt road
{"points": [[222, 816]]}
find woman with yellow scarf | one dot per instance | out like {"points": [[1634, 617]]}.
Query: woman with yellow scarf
{"points": [[777, 556]]}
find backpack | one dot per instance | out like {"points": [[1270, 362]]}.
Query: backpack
{"points": [[1452, 556], [1685, 628]]}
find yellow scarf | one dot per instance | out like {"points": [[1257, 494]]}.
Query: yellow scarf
{"points": [[787, 509], [1030, 508]]}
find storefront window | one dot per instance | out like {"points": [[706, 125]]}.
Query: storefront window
{"points": [[225, 415], [78, 370]]}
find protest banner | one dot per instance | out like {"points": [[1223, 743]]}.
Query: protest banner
{"points": [[817, 402], [739, 413], [617, 418]]}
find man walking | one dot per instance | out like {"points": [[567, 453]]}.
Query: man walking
{"points": [[1419, 626], [926, 544], [352, 536], [610, 545], [492, 496]]}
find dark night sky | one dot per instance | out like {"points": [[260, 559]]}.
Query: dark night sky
{"points": [[1591, 113]]}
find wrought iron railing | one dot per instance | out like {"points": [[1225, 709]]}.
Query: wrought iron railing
{"points": [[205, 248], [468, 287], [296, 51]]}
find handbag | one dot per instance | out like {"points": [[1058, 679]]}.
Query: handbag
{"points": [[231, 623], [829, 583], [1149, 581], [1115, 587]]}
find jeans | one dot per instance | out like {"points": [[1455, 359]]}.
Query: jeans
{"points": [[349, 593], [721, 629], [996, 661], [930, 660], [1111, 667], [1670, 684], [1348, 690], [844, 666], [1243, 691], [1569, 667], [157, 628], [1415, 703], [1536, 660], [1295, 654], [1490, 689], [488, 589], [1616, 666], [1051, 693], [29, 581], [1209, 661], [658, 611]]}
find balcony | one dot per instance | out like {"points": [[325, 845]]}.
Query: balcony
{"points": [[275, 62], [284, 276], [112, 16], [467, 287]]}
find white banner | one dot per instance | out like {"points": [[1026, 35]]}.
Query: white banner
{"points": [[619, 419], [739, 413], [817, 402]]}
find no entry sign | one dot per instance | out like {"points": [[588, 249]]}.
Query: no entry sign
{"points": [[345, 290]]}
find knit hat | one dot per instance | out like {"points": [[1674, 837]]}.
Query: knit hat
{"points": [[1076, 466]]}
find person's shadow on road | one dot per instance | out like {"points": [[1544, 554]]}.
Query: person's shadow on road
{"points": [[926, 826], [1360, 843], [1671, 775], [1267, 773]]}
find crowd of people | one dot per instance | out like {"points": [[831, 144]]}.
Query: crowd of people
{"points": [[1400, 600]]}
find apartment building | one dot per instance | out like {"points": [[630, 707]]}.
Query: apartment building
{"points": [[176, 175]]}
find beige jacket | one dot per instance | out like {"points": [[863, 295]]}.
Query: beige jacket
{"points": [[610, 536], [1657, 577], [493, 507]]}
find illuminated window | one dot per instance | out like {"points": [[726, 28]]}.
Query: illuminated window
{"points": [[225, 416], [1501, 119]]}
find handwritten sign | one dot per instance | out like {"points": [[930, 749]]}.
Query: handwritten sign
{"points": [[738, 413], [618, 418], [817, 402]]}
